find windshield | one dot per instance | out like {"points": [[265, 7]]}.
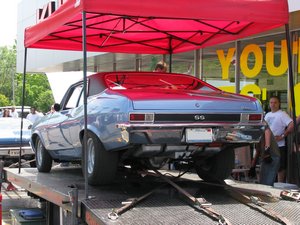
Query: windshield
{"points": [[155, 81]]}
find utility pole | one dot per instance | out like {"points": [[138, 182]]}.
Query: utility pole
{"points": [[13, 84]]}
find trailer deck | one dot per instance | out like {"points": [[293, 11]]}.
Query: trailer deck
{"points": [[165, 205]]}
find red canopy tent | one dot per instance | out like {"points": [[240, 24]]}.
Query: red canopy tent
{"points": [[154, 27]]}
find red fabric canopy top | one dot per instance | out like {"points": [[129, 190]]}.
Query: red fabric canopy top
{"points": [[155, 27]]}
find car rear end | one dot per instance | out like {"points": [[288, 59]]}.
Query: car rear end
{"points": [[186, 124], [10, 139], [175, 112]]}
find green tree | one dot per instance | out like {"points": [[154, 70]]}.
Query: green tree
{"points": [[7, 71], [45, 100], [3, 100], [37, 91]]}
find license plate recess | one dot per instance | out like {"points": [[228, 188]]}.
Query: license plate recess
{"points": [[194, 135]]}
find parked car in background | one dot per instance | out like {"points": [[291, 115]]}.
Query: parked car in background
{"points": [[10, 140], [18, 110], [142, 119]]}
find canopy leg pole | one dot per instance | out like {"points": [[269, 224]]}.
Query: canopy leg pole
{"points": [[23, 103], [84, 145], [292, 94], [237, 74]]}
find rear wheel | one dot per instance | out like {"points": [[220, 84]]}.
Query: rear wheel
{"points": [[43, 159], [102, 165], [216, 168]]}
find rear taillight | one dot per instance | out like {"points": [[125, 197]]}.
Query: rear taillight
{"points": [[141, 117], [137, 117], [245, 117], [255, 117]]}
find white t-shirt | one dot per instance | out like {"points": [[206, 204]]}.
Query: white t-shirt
{"points": [[14, 114], [33, 117], [278, 121]]}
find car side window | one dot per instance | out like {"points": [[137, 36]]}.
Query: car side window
{"points": [[76, 97]]}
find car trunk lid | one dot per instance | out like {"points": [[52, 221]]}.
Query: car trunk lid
{"points": [[190, 100]]}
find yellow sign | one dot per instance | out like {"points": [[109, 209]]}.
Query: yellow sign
{"points": [[255, 51]]}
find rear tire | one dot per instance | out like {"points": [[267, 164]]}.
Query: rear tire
{"points": [[43, 159], [216, 168], [102, 165]]}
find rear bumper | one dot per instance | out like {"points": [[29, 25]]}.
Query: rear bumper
{"points": [[177, 133], [14, 151]]}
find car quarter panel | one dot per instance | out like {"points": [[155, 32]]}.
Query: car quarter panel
{"points": [[104, 112]]}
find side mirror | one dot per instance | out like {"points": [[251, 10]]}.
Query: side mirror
{"points": [[29, 127]]}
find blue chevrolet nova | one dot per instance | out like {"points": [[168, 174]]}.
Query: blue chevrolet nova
{"points": [[145, 120]]}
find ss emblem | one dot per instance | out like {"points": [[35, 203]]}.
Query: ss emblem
{"points": [[199, 117]]}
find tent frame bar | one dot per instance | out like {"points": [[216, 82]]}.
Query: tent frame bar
{"points": [[150, 29], [85, 150], [22, 109]]}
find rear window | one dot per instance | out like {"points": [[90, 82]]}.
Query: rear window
{"points": [[155, 81]]}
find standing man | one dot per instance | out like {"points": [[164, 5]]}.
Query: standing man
{"points": [[33, 115], [281, 125], [161, 66], [13, 112]]}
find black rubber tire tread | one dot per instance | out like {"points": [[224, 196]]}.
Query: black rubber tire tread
{"points": [[46, 162], [218, 167], [105, 163]]}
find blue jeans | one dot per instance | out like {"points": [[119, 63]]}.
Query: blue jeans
{"points": [[268, 171]]}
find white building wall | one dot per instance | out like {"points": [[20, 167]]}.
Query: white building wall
{"points": [[38, 60]]}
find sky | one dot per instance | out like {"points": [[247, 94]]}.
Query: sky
{"points": [[8, 22]]}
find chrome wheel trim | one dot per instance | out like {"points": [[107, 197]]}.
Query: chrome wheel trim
{"points": [[91, 155], [39, 152]]}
